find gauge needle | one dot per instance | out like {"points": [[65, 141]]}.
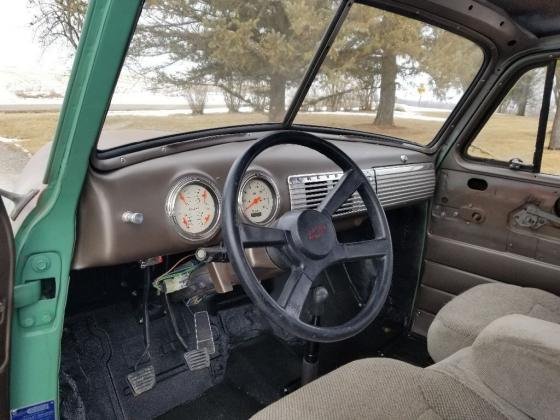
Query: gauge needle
{"points": [[255, 201], [182, 198]]}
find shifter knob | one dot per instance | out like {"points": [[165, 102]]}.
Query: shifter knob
{"points": [[320, 296]]}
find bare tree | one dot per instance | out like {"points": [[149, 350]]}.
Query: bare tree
{"points": [[196, 97], [57, 20]]}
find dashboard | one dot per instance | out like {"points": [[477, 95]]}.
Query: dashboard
{"points": [[172, 203]]}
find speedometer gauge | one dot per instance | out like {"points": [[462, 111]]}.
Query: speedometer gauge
{"points": [[193, 206], [258, 199]]}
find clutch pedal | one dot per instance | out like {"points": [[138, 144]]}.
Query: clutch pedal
{"points": [[142, 380]]}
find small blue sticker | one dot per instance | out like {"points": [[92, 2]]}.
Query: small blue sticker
{"points": [[40, 411]]}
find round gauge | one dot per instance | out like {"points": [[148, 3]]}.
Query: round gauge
{"points": [[258, 199], [193, 206]]}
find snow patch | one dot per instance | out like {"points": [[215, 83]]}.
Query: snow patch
{"points": [[15, 143]]}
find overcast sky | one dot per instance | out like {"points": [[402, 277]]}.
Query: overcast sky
{"points": [[24, 64]]}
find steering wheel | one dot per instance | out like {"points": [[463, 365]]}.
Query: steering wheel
{"points": [[307, 238]]}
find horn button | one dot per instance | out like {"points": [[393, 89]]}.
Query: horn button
{"points": [[313, 233]]}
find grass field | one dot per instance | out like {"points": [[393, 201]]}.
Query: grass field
{"points": [[504, 137]]}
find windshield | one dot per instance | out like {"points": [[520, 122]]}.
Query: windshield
{"points": [[197, 65], [391, 75]]}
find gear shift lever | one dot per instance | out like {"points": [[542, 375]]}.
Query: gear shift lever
{"points": [[310, 366]]}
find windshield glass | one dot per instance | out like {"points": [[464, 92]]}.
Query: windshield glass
{"points": [[392, 75], [197, 64], [37, 47]]}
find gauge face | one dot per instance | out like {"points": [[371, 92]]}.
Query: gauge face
{"points": [[194, 208], [258, 200]]}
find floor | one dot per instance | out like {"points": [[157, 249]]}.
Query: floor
{"points": [[251, 367], [256, 376], [100, 349], [259, 372]]}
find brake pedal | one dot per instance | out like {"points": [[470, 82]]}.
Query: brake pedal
{"points": [[142, 380], [204, 337], [197, 359]]}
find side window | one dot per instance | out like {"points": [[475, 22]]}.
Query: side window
{"points": [[551, 156], [510, 135]]}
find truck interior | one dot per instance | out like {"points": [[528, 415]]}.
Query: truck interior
{"points": [[299, 267]]}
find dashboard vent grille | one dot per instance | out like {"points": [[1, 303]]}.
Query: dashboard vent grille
{"points": [[405, 183], [395, 185], [308, 190]]}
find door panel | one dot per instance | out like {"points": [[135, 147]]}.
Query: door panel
{"points": [[6, 287], [481, 232]]}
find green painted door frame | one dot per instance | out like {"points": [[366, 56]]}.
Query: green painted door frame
{"points": [[45, 242]]}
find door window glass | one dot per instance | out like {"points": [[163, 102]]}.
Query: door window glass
{"points": [[551, 154], [511, 131]]}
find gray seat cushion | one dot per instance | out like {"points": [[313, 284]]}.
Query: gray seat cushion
{"points": [[459, 322], [512, 371], [385, 389]]}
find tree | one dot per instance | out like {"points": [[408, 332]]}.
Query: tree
{"points": [[554, 143], [383, 44], [451, 61], [375, 49], [421, 89], [255, 51], [247, 49], [57, 20], [526, 95]]}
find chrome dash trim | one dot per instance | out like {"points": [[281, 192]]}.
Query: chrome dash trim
{"points": [[394, 185]]}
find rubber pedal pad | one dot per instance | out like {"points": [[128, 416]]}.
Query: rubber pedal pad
{"points": [[142, 380], [203, 329], [197, 359]]}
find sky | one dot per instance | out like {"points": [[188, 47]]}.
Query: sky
{"points": [[25, 64]]}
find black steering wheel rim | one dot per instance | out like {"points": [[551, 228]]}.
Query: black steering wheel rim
{"points": [[238, 236]]}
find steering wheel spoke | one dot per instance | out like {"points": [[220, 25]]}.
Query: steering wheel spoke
{"points": [[347, 185], [353, 251], [253, 236], [295, 292]]}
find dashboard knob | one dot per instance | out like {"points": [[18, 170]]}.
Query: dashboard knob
{"points": [[132, 217]]}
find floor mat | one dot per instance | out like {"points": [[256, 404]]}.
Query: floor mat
{"points": [[224, 401], [263, 368], [100, 348], [251, 368], [257, 374], [411, 349]]}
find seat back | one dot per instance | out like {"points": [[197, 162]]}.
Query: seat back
{"points": [[518, 357]]}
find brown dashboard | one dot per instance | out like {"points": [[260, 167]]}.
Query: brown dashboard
{"points": [[172, 203]]}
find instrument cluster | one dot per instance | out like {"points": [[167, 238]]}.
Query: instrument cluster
{"points": [[194, 203]]}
